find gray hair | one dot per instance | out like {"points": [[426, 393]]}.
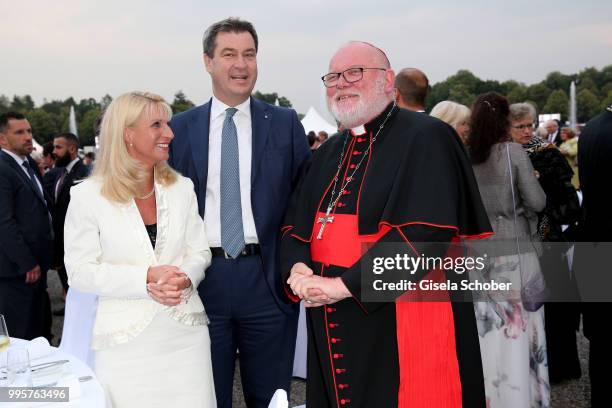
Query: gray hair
{"points": [[231, 24], [520, 111]]}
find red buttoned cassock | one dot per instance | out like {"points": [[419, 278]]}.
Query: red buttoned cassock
{"points": [[415, 188]]}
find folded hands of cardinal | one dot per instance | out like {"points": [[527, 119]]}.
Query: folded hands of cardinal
{"points": [[316, 290]]}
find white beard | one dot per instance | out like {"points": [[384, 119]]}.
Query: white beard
{"points": [[363, 111]]}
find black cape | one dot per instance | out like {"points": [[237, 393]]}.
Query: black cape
{"points": [[419, 179]]}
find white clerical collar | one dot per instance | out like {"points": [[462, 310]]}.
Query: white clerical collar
{"points": [[18, 159], [359, 130], [217, 108]]}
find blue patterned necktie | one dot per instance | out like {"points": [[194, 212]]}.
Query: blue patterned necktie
{"points": [[232, 233]]}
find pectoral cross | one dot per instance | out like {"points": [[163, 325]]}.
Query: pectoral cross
{"points": [[324, 220]]}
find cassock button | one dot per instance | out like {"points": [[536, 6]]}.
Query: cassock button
{"points": [[336, 340], [355, 153], [338, 356], [344, 401], [331, 310], [340, 370], [333, 325], [360, 139], [342, 386], [352, 166]]}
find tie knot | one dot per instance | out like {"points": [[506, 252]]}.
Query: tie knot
{"points": [[26, 164], [230, 112]]}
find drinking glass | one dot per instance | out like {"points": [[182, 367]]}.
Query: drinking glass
{"points": [[5, 340], [18, 370]]}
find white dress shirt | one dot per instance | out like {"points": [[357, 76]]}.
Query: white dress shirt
{"points": [[20, 161], [212, 215]]}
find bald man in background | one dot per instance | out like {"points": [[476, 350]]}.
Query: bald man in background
{"points": [[411, 86]]}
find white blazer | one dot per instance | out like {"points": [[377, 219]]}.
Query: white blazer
{"points": [[108, 252]]}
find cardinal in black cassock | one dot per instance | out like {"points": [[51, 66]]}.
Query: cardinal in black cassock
{"points": [[402, 177]]}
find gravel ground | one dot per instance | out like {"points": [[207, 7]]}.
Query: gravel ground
{"points": [[570, 394]]}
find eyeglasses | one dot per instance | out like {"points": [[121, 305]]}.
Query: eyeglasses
{"points": [[521, 127], [350, 75]]}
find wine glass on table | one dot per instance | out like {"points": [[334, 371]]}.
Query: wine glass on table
{"points": [[5, 340]]}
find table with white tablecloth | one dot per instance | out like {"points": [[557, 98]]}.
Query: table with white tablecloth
{"points": [[90, 392]]}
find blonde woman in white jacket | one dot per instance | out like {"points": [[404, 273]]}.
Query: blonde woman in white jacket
{"points": [[133, 236]]}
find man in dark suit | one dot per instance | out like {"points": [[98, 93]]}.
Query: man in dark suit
{"points": [[592, 256], [70, 169], [26, 237], [244, 157]]}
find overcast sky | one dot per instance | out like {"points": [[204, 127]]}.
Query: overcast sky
{"points": [[57, 49]]}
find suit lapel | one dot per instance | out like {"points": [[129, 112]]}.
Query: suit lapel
{"points": [[198, 139], [69, 179], [261, 118], [45, 198], [20, 173]]}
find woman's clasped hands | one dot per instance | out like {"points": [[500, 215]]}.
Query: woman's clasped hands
{"points": [[167, 284]]}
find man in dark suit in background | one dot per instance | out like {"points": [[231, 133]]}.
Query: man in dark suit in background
{"points": [[244, 157], [70, 169], [592, 256], [26, 237]]}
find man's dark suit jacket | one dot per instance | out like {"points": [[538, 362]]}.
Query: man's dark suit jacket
{"points": [[60, 206], [277, 157], [26, 240]]}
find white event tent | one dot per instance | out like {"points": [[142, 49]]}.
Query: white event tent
{"points": [[315, 122]]}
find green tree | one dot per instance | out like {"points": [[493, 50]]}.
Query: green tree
{"points": [[588, 105], [22, 103], [592, 74], [607, 101], [271, 98], [181, 103], [461, 94], [517, 94], [606, 74], [54, 107], [4, 104], [587, 83], [86, 126], [556, 80], [105, 101], [538, 93], [44, 125], [465, 77], [488, 86], [84, 106], [557, 102], [438, 93], [605, 90]]}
